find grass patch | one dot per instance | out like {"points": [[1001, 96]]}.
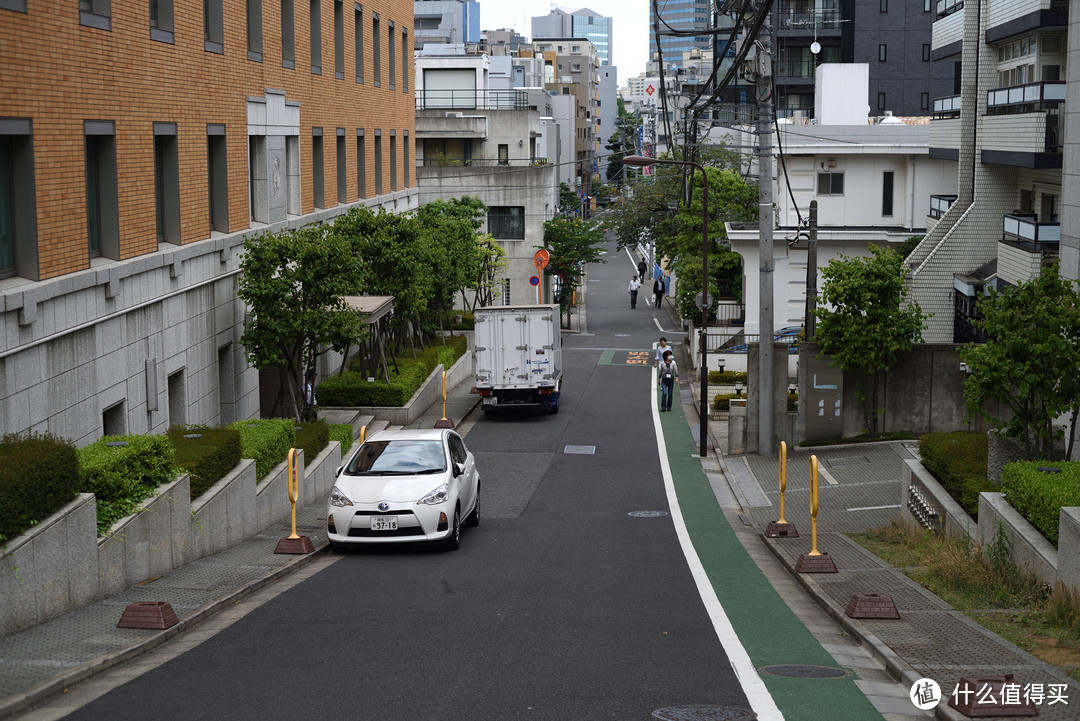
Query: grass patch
{"points": [[986, 586]]}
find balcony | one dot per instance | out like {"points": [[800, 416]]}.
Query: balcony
{"points": [[825, 19], [947, 107], [1027, 232], [940, 204], [795, 69], [1023, 98], [470, 99], [948, 7], [1023, 140]]}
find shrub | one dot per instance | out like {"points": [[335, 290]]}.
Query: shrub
{"points": [[120, 477], [793, 402], [958, 462], [312, 437], [343, 434], [1039, 495], [721, 401], [467, 321], [38, 475], [353, 389], [726, 377], [206, 459], [267, 441]]}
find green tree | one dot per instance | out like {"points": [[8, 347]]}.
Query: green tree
{"points": [[863, 321], [571, 243], [451, 228], [293, 282], [1030, 363], [491, 262], [569, 201]]}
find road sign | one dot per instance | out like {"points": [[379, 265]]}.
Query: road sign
{"points": [[534, 281], [650, 90], [540, 260]]}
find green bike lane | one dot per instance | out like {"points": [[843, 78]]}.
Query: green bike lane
{"points": [[749, 606]]}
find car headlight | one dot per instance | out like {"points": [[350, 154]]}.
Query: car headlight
{"points": [[337, 498], [439, 495]]}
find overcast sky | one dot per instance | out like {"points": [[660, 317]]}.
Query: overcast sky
{"points": [[630, 26]]}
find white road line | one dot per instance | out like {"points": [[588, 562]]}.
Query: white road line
{"points": [[756, 693], [826, 475], [874, 508]]}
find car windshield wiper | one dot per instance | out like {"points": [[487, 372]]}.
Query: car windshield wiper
{"points": [[384, 473]]}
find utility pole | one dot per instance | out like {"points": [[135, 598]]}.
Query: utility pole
{"points": [[763, 87], [811, 274]]}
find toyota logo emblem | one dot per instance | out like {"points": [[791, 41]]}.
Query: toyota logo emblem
{"points": [[384, 506]]}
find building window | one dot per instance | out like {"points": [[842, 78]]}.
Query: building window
{"points": [[316, 38], [504, 154], [213, 27], [927, 6], [404, 60], [342, 173], [217, 178], [391, 54], [258, 186], [161, 20], [393, 161], [924, 101], [882, 51], [926, 52], [830, 183], [18, 6], [18, 204], [339, 39], [881, 101], [102, 207], [288, 35], [507, 222], [378, 162], [174, 385], [405, 157], [167, 183], [254, 30], [361, 164], [376, 50], [114, 420], [887, 193], [884, 6], [95, 14], [358, 22], [317, 168]]}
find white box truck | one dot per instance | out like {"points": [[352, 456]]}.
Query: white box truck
{"points": [[518, 357]]}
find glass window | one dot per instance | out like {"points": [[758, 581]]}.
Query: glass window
{"points": [[7, 206], [288, 35], [316, 38], [213, 27], [339, 39], [830, 183], [161, 20], [507, 222], [881, 52], [254, 30], [391, 54], [358, 29], [317, 168], [95, 14], [376, 49]]}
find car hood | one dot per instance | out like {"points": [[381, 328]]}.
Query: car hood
{"points": [[393, 489]]}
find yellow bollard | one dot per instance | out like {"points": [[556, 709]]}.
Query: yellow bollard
{"points": [[363, 434], [813, 505], [294, 489], [782, 528], [294, 543], [444, 422]]}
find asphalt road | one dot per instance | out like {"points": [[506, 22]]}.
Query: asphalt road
{"points": [[560, 605]]}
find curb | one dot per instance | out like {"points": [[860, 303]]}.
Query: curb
{"points": [[57, 684]]}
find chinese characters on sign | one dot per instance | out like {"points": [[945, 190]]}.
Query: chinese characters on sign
{"points": [[926, 694]]}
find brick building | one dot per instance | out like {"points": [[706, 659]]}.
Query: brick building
{"points": [[140, 141]]}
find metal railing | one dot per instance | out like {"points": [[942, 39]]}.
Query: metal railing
{"points": [[947, 107], [1027, 232], [795, 68], [1049, 91], [469, 99], [948, 7], [826, 19], [940, 204]]}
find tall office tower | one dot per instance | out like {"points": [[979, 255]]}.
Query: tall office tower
{"points": [[680, 16], [445, 22], [582, 23]]}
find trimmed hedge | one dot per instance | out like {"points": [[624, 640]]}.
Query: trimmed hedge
{"points": [[352, 389], [1038, 495], [206, 459], [726, 377], [721, 402], [38, 475], [120, 477], [312, 437], [267, 441], [958, 462], [343, 434]]}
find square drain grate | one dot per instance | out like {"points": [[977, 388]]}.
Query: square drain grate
{"points": [[580, 450]]}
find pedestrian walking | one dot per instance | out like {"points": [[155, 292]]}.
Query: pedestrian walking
{"points": [[642, 268], [310, 402], [658, 290], [666, 379], [660, 351], [632, 290]]}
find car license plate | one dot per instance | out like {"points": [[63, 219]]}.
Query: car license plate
{"points": [[384, 523], [490, 401]]}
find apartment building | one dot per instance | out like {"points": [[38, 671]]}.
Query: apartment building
{"points": [[140, 142], [1007, 131]]}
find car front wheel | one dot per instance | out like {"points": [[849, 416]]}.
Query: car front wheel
{"points": [[473, 519], [453, 541]]}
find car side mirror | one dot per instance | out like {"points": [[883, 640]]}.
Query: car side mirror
{"points": [[459, 468], [338, 471]]}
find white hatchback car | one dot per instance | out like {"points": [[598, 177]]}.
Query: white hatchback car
{"points": [[405, 485]]}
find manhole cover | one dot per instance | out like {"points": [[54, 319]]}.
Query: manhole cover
{"points": [[798, 670], [580, 450], [704, 713], [647, 514]]}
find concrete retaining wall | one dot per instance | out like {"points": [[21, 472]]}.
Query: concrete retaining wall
{"points": [[925, 504], [61, 564]]}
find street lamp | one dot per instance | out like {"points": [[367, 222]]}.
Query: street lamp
{"points": [[639, 161]]}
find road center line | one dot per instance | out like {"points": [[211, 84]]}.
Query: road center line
{"points": [[756, 693]]}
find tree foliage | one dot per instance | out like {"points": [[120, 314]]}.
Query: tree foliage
{"points": [[571, 243], [1030, 363], [292, 282], [862, 318]]}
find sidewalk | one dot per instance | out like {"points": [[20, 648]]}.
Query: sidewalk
{"points": [[859, 489], [41, 662]]}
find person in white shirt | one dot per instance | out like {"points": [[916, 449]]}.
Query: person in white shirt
{"points": [[632, 290]]}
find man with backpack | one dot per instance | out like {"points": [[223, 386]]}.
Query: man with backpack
{"points": [[667, 377]]}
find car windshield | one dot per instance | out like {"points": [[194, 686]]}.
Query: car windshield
{"points": [[398, 458]]}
